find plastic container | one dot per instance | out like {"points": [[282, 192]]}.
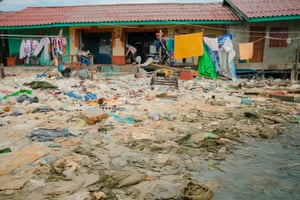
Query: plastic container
{"points": [[10, 61]]}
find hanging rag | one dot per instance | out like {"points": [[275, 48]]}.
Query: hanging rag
{"points": [[214, 55], [226, 56], [28, 49], [170, 44], [223, 38], [246, 50], [22, 53], [53, 52], [205, 65], [43, 46], [188, 45], [212, 43], [64, 45], [34, 44]]}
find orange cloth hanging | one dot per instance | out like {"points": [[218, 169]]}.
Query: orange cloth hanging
{"points": [[188, 45], [246, 50]]}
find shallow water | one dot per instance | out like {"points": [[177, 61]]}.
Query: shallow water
{"points": [[260, 169]]}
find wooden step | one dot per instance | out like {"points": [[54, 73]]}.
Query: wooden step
{"points": [[169, 81]]}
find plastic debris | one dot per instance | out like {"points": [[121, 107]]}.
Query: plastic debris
{"points": [[43, 109], [18, 92], [25, 97], [46, 134], [247, 101], [5, 150], [90, 96], [73, 95]]}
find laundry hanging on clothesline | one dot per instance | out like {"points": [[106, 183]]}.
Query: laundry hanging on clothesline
{"points": [[27, 47], [226, 56], [205, 64], [43, 46], [212, 43], [170, 49], [246, 50], [188, 45], [212, 50], [33, 47]]}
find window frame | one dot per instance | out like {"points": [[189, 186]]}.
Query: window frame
{"points": [[279, 35]]}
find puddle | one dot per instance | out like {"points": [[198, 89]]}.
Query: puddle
{"points": [[264, 169]]}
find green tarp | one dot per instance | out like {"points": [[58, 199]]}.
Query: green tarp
{"points": [[206, 66]]}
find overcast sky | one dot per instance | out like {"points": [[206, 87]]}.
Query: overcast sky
{"points": [[12, 5]]}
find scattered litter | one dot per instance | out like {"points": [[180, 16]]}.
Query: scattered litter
{"points": [[5, 150], [25, 97], [18, 92], [40, 85], [42, 110], [46, 134]]}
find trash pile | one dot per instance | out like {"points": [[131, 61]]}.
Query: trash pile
{"points": [[120, 137]]}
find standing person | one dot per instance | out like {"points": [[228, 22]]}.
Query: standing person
{"points": [[132, 51]]}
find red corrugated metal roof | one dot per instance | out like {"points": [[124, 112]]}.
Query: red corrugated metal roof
{"points": [[267, 8], [120, 13]]}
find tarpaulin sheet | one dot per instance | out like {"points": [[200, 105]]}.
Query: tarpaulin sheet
{"points": [[226, 56], [206, 66]]}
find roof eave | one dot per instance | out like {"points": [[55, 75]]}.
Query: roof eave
{"points": [[274, 18], [175, 22], [262, 18]]}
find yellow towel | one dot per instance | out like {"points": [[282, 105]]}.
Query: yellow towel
{"points": [[188, 45], [246, 50]]}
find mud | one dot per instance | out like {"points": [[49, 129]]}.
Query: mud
{"points": [[158, 142]]}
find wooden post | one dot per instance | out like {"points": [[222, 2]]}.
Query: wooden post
{"points": [[91, 59], [297, 63], [297, 59], [294, 72], [2, 74], [72, 62]]}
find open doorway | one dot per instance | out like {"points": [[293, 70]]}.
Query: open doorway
{"points": [[99, 45], [142, 41]]}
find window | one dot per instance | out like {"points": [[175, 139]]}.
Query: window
{"points": [[279, 37]]}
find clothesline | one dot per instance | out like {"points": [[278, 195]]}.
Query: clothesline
{"points": [[236, 30], [211, 27], [29, 36], [21, 38], [267, 37]]}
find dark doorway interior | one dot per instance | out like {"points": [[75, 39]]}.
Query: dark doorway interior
{"points": [[99, 44], [141, 41]]}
